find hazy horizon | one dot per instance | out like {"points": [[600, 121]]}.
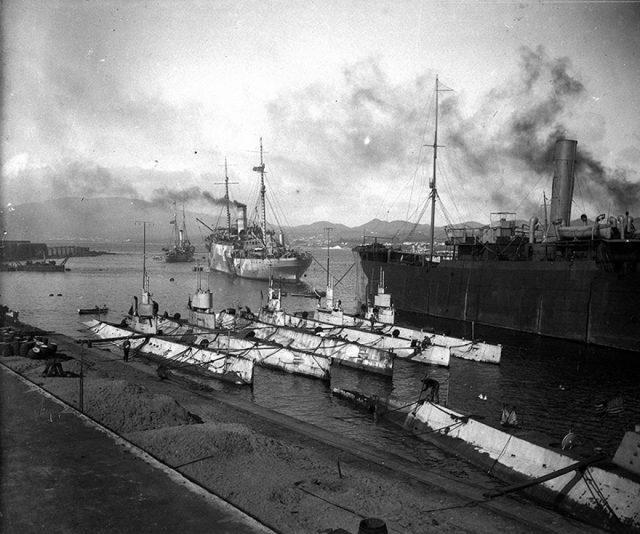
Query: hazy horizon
{"points": [[150, 100]]}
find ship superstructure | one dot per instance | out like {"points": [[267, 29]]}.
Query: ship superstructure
{"points": [[579, 282], [253, 250], [181, 249]]}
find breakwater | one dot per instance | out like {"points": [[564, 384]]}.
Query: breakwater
{"points": [[26, 250]]}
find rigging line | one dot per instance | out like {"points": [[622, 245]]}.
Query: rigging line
{"points": [[443, 429], [346, 273], [419, 208], [276, 207], [272, 200], [500, 455], [578, 185], [415, 225], [530, 191], [313, 357], [400, 192], [426, 204], [401, 407], [279, 213], [170, 364], [414, 175], [445, 213], [282, 213], [272, 212], [598, 495], [222, 356], [274, 349], [453, 163], [325, 269], [442, 172], [420, 164]]}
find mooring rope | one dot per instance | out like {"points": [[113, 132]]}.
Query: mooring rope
{"points": [[500, 455], [598, 496]]}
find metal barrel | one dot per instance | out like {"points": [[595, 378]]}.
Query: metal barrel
{"points": [[372, 525]]}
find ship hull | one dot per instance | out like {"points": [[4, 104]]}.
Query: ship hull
{"points": [[222, 258], [178, 258], [564, 300]]}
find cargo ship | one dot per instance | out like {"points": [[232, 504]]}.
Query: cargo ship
{"points": [[253, 251], [578, 282], [181, 250]]}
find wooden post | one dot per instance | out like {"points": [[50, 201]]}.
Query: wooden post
{"points": [[81, 400]]}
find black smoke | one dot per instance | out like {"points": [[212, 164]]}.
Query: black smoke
{"points": [[514, 132], [193, 194], [528, 111], [599, 182]]}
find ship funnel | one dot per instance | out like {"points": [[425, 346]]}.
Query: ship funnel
{"points": [[242, 221], [562, 189]]}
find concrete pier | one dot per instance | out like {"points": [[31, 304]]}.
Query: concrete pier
{"points": [[63, 473]]}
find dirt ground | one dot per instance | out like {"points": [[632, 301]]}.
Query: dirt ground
{"points": [[290, 482]]}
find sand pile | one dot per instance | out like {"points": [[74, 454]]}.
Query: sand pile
{"points": [[292, 483], [292, 487], [124, 407], [118, 404], [177, 446], [22, 365], [296, 489]]}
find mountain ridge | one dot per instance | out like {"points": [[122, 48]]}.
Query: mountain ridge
{"points": [[115, 219]]}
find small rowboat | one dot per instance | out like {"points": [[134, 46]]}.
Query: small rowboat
{"points": [[96, 310]]}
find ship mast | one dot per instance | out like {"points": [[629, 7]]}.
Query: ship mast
{"points": [[434, 191], [226, 196], [328, 229], [145, 277], [183, 231], [263, 206], [176, 231]]}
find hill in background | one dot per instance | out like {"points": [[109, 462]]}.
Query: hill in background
{"points": [[96, 219], [120, 219]]}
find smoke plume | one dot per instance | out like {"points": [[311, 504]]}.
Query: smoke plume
{"points": [[509, 142], [193, 194]]}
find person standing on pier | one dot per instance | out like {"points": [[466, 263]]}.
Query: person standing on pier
{"points": [[125, 349]]}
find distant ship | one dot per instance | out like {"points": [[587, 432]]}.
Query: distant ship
{"points": [[44, 266], [577, 282], [181, 249], [253, 251]]}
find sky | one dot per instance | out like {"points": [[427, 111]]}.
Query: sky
{"points": [[148, 99]]}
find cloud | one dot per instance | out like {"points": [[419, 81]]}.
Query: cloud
{"points": [[65, 179], [350, 150], [364, 138], [72, 95], [348, 143], [506, 147]]}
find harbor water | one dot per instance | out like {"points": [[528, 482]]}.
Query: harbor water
{"points": [[555, 386]]}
